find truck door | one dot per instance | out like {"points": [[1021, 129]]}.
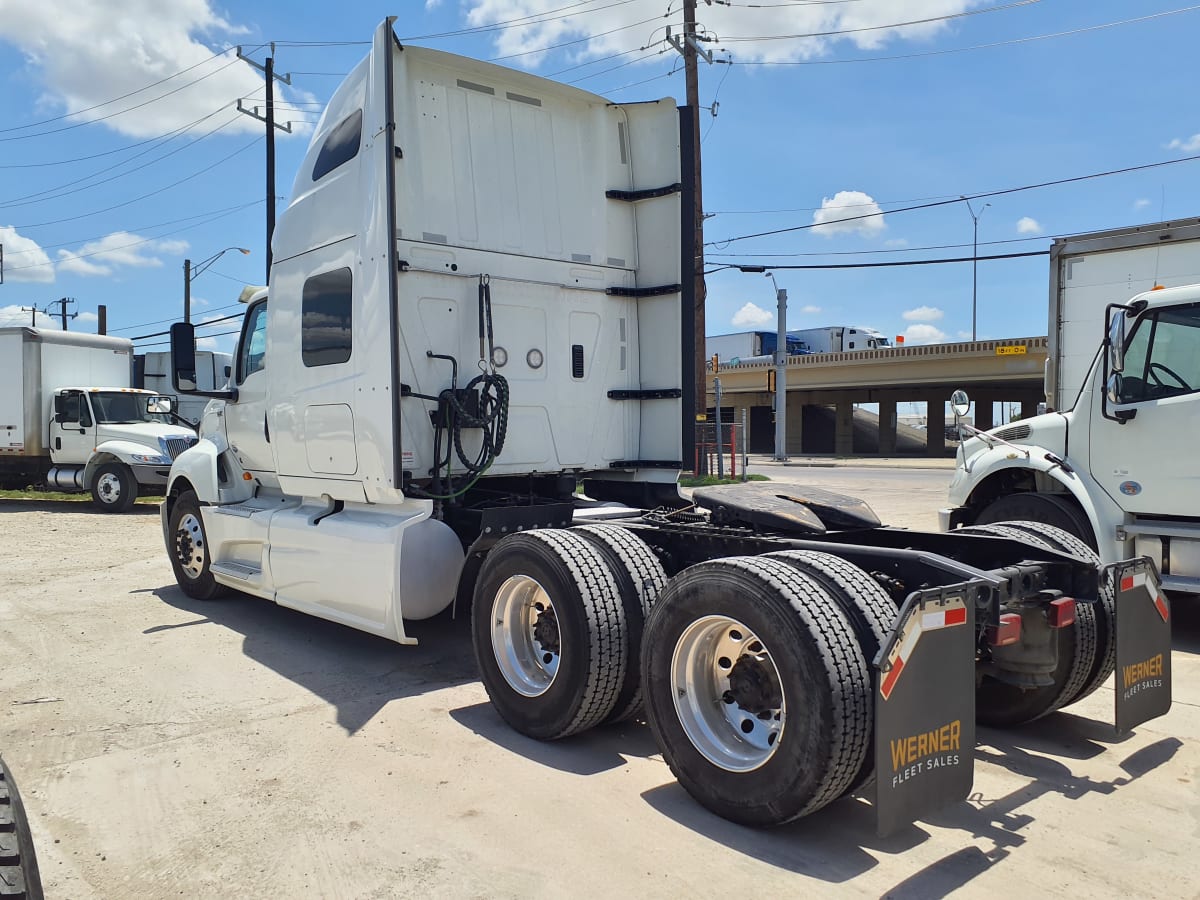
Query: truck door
{"points": [[1148, 465], [73, 431], [246, 418]]}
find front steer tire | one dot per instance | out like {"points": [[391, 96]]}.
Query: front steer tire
{"points": [[114, 489], [187, 546], [787, 734], [549, 632], [19, 876]]}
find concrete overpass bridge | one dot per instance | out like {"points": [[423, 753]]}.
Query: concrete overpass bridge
{"points": [[823, 388]]}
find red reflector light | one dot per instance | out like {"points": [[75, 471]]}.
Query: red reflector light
{"points": [[1061, 612], [1007, 632]]}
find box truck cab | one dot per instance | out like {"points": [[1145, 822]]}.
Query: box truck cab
{"points": [[1117, 469], [70, 421]]}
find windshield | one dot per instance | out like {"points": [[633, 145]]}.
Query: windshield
{"points": [[121, 408]]}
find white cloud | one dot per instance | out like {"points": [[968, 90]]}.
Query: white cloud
{"points": [[15, 315], [612, 27], [1186, 145], [751, 315], [923, 314], [206, 343], [24, 260], [831, 218], [1141, 203], [88, 53], [963, 335], [1028, 225], [87, 317], [923, 334], [810, 309], [896, 243], [121, 249]]}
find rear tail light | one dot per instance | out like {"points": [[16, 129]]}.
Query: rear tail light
{"points": [[1061, 612], [1007, 632]]}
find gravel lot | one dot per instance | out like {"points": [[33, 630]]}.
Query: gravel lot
{"points": [[167, 747]]}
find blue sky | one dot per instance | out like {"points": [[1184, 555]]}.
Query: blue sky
{"points": [[101, 198]]}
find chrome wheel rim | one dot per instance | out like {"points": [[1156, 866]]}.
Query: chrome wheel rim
{"points": [[189, 546], [728, 693], [525, 638], [108, 486]]}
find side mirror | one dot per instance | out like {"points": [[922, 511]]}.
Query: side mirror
{"points": [[1116, 341], [1115, 388], [960, 403], [60, 408], [160, 405], [183, 356]]}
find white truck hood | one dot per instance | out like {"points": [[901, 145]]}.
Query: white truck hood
{"points": [[144, 433]]}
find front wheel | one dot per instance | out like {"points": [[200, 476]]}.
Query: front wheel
{"points": [[114, 488], [189, 551]]}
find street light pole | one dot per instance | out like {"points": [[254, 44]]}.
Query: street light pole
{"points": [[190, 272], [780, 370], [974, 260]]}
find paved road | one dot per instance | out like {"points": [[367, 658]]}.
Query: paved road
{"points": [[168, 747]]}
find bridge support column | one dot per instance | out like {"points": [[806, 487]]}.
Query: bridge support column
{"points": [[887, 427], [843, 434], [935, 425], [983, 413], [795, 424]]}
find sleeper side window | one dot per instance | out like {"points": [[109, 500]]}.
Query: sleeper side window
{"points": [[326, 336], [340, 146]]}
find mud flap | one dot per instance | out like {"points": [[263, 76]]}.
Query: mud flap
{"points": [[1143, 687], [925, 707]]}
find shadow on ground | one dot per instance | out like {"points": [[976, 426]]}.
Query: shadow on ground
{"points": [[355, 672]]}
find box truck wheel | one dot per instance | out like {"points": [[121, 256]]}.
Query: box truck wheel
{"points": [[1000, 704], [869, 609], [640, 578], [1049, 509], [1105, 610], [549, 632], [190, 556], [757, 690], [114, 488], [19, 875]]}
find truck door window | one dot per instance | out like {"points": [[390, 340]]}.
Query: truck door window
{"points": [[1162, 356], [325, 333], [252, 355]]}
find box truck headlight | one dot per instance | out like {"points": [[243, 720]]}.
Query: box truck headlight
{"points": [[154, 459]]}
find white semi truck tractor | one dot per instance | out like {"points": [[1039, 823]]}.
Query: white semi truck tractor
{"points": [[1123, 379], [69, 421], [481, 301]]}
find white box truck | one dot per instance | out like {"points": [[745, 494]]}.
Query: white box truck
{"points": [[1107, 465], [213, 368], [70, 421], [481, 299]]}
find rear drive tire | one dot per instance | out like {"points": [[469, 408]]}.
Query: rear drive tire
{"points": [[114, 489], [869, 609], [19, 876], [187, 546], [756, 690], [1047, 509], [640, 578], [1003, 705], [549, 633]]}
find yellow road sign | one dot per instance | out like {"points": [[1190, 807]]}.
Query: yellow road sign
{"points": [[1011, 350]]}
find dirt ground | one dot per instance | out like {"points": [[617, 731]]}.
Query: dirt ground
{"points": [[168, 747]]}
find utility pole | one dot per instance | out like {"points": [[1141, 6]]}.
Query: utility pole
{"points": [[268, 71], [689, 49], [187, 290], [62, 309], [780, 371], [32, 310]]}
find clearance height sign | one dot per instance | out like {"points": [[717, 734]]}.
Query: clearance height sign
{"points": [[925, 710]]}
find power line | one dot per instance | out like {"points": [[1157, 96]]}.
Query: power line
{"points": [[926, 21], [154, 193], [988, 46], [985, 194]]}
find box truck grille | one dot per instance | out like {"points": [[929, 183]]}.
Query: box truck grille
{"points": [[176, 445]]}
